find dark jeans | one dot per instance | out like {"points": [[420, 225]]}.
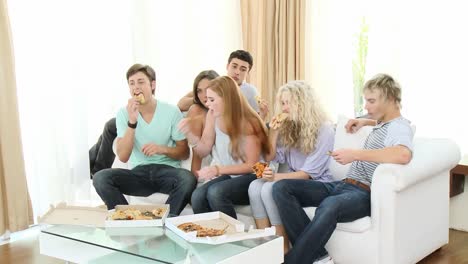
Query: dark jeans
{"points": [[101, 155], [336, 201], [145, 180], [221, 193]]}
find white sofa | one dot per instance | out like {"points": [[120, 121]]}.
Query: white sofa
{"points": [[409, 205]]}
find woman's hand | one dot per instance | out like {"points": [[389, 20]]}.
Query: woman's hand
{"points": [[185, 127], [268, 174], [207, 173], [264, 109]]}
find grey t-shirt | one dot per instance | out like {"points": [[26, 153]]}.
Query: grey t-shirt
{"points": [[392, 133], [250, 92]]}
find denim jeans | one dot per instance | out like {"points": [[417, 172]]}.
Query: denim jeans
{"points": [[101, 155], [144, 180], [335, 201], [221, 193]]}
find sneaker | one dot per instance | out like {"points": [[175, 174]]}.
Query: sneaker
{"points": [[324, 260]]}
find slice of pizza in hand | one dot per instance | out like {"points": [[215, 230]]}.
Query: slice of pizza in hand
{"points": [[258, 169], [278, 120], [258, 99], [140, 98]]}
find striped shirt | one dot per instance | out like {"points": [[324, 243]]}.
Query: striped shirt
{"points": [[392, 133]]}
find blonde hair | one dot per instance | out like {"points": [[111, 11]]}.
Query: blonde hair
{"points": [[238, 112], [388, 87], [306, 116]]}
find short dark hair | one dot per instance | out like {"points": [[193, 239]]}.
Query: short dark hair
{"points": [[145, 69], [209, 75], [242, 55]]}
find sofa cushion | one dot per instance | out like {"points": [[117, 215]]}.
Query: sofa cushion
{"points": [[155, 198], [346, 140], [357, 226], [243, 209]]}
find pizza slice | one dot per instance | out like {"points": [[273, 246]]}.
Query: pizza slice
{"points": [[140, 98], [210, 232], [258, 99], [278, 120], [189, 227], [201, 231], [258, 168]]}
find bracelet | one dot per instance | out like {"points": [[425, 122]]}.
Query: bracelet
{"points": [[217, 170], [130, 125]]}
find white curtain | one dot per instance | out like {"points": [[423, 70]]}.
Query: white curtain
{"points": [[421, 43], [71, 60], [182, 38], [330, 28]]}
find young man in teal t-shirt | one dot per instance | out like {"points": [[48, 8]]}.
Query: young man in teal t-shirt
{"points": [[148, 139]]}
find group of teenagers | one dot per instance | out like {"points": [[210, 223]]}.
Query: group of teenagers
{"points": [[225, 127]]}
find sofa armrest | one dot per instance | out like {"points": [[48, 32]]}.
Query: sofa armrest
{"points": [[404, 197], [430, 158]]}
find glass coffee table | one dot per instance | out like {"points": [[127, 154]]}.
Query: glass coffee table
{"points": [[81, 244]]}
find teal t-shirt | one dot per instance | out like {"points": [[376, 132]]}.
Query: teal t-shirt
{"points": [[162, 130]]}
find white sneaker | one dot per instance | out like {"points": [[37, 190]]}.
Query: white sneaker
{"points": [[325, 260]]}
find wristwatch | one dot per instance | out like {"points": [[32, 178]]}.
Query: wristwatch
{"points": [[130, 125]]}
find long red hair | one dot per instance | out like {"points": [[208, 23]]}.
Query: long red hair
{"points": [[239, 117]]}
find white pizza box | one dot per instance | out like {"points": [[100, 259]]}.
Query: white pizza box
{"points": [[137, 223], [63, 214], [151, 232], [206, 253], [234, 228]]}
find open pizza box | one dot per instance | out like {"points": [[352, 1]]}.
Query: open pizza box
{"points": [[63, 214], [234, 230], [163, 210]]}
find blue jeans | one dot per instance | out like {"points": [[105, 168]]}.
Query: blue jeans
{"points": [[221, 193], [145, 180], [335, 201]]}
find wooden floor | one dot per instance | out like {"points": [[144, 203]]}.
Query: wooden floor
{"points": [[26, 251], [456, 252]]}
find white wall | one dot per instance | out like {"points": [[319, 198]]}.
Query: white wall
{"points": [[329, 28], [459, 210]]}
